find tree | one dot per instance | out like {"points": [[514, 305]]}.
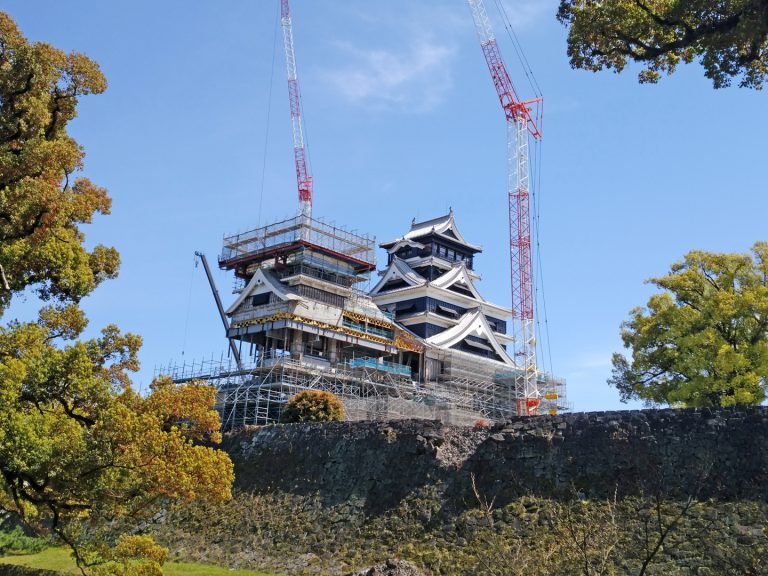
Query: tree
{"points": [[704, 340], [313, 406], [79, 448], [730, 37]]}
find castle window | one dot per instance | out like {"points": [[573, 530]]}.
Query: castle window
{"points": [[260, 299], [445, 311]]}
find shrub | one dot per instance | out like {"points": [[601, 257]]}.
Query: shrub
{"points": [[133, 556], [16, 542], [313, 406]]}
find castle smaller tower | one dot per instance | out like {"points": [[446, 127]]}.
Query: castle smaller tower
{"points": [[299, 298]]}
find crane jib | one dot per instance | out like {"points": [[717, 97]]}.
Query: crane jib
{"points": [[303, 176], [521, 125]]}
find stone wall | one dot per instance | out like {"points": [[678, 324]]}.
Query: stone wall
{"points": [[329, 498], [712, 454]]}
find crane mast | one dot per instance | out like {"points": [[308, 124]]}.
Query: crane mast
{"points": [[303, 176], [521, 126]]}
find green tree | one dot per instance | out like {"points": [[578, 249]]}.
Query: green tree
{"points": [[79, 448], [729, 38], [313, 406], [703, 341]]}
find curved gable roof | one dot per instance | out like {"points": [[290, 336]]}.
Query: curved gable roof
{"points": [[471, 324], [399, 269], [442, 226], [404, 242], [262, 282], [457, 275]]}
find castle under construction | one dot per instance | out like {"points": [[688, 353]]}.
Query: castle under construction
{"points": [[423, 343]]}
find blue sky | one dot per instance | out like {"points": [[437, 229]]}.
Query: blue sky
{"points": [[402, 122]]}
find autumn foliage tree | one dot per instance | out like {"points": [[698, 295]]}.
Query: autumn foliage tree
{"points": [[703, 340], [729, 38], [79, 448]]}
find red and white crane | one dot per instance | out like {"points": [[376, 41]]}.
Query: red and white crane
{"points": [[303, 175], [521, 125]]}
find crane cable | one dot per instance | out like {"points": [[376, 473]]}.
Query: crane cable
{"points": [[539, 276], [536, 185], [268, 120], [516, 44]]}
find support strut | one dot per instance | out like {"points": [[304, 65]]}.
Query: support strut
{"points": [[222, 314]]}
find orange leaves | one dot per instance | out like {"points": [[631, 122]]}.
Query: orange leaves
{"points": [[84, 74], [158, 437], [41, 243], [77, 444], [74, 443]]}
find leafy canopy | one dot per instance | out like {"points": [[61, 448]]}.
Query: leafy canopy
{"points": [[703, 341], [41, 205], [729, 37], [79, 448]]}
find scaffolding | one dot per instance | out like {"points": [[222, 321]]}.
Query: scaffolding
{"points": [[267, 241], [552, 399], [333, 337], [370, 389]]}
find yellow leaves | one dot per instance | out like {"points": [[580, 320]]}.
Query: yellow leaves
{"points": [[313, 406], [66, 321], [76, 442], [85, 74], [40, 239], [160, 439], [153, 441], [189, 404], [133, 556], [10, 33], [72, 442], [129, 547]]}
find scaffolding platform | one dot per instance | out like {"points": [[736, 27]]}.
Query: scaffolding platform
{"points": [[296, 233]]}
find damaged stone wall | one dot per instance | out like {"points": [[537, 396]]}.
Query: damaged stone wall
{"points": [[330, 498], [716, 454]]}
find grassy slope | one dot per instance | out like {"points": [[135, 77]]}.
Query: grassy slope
{"points": [[59, 559]]}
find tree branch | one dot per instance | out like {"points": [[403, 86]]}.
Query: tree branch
{"points": [[690, 37], [4, 280], [661, 20]]}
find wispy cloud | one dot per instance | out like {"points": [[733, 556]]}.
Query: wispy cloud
{"points": [[523, 14], [411, 67], [414, 79]]}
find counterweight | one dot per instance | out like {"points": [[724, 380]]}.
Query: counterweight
{"points": [[521, 126]]}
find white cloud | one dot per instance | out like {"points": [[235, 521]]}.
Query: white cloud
{"points": [[413, 70], [523, 14], [414, 79]]}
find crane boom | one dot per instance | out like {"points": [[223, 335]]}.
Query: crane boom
{"points": [[521, 126], [303, 177], [232, 347]]}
